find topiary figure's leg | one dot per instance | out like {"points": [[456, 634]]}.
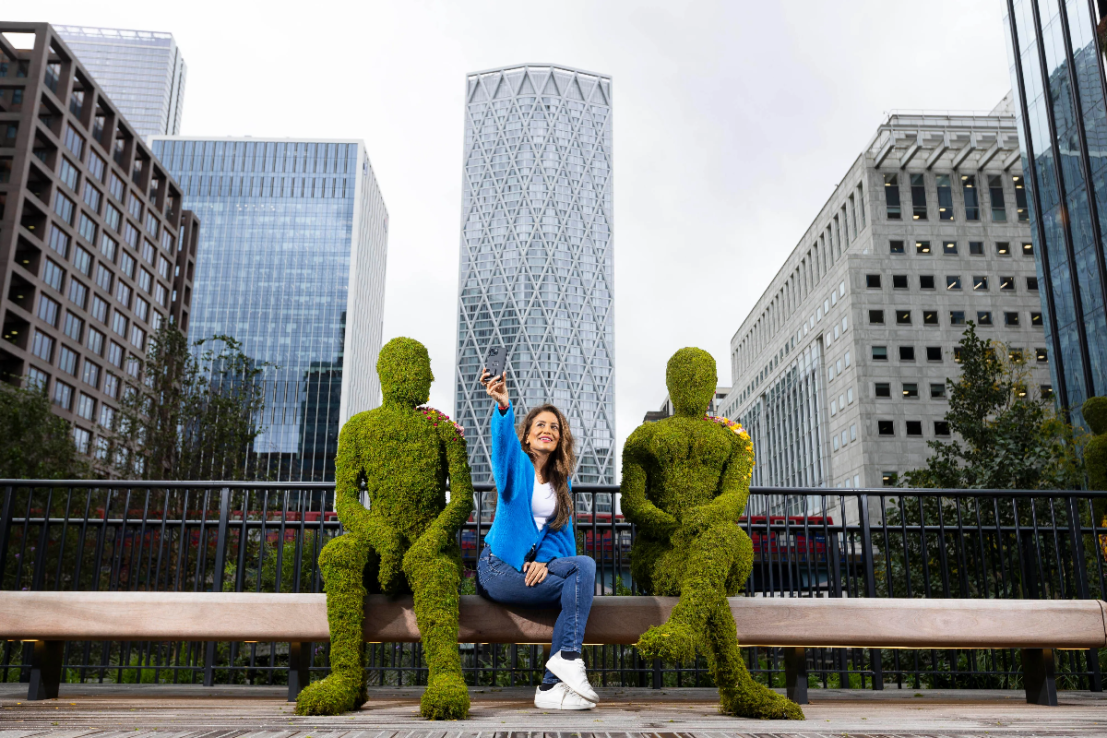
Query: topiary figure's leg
{"points": [[739, 694], [704, 564], [342, 562], [434, 581]]}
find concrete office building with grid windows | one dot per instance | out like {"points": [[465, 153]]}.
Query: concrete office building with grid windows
{"points": [[142, 71], [537, 255], [292, 265], [96, 250], [839, 371]]}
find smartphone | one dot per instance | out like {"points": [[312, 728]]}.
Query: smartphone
{"points": [[495, 361]]}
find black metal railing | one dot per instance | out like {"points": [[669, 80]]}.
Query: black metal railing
{"points": [[266, 537]]}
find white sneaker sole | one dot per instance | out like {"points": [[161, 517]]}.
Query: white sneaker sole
{"points": [[558, 706]]}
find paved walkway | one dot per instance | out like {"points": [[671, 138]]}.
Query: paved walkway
{"points": [[112, 711]]}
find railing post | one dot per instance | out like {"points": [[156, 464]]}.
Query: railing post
{"points": [[875, 659], [5, 527], [217, 576], [1081, 576]]}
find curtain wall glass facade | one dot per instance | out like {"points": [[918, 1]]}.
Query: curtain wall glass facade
{"points": [[292, 266], [1057, 76], [536, 255]]}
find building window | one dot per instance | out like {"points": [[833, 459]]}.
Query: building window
{"points": [[36, 379], [957, 354], [876, 316], [63, 395], [91, 374], [846, 359], [119, 323], [976, 248], [107, 416], [59, 241], [849, 395], [937, 390], [895, 247], [903, 317], [1036, 320], [888, 478], [130, 235], [882, 389], [880, 353], [82, 260], [930, 317], [835, 440], [99, 309], [914, 427], [67, 173], [899, 281], [872, 281], [145, 279], [1028, 250], [984, 317], [945, 197], [48, 310], [43, 346], [972, 201], [933, 353], [94, 342], [1011, 320], [111, 385], [103, 278], [1041, 355], [956, 317], [910, 390], [885, 427], [134, 206], [123, 293], [906, 353], [949, 248], [81, 439], [87, 228], [138, 337], [926, 281], [1007, 284], [1003, 248], [116, 187], [918, 196], [74, 142], [833, 408], [922, 248], [1032, 284], [127, 264], [980, 283], [115, 354], [67, 360], [953, 283], [1047, 391], [86, 406], [1020, 199], [92, 197], [941, 428], [995, 193], [891, 196], [78, 293], [74, 326], [108, 247]]}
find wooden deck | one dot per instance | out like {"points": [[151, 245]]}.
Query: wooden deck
{"points": [[111, 711]]}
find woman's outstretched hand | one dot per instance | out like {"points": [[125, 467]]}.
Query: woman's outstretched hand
{"points": [[536, 573], [496, 387]]}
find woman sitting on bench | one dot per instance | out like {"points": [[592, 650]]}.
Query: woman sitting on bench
{"points": [[529, 557]]}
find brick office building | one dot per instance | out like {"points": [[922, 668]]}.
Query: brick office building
{"points": [[95, 250]]}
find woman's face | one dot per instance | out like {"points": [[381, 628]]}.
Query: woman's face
{"points": [[545, 433]]}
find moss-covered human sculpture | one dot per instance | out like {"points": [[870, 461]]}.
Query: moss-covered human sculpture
{"points": [[1095, 458], [404, 542], [685, 484]]}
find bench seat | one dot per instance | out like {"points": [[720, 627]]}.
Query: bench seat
{"points": [[1035, 626]]}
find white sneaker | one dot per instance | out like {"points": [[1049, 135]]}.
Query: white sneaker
{"points": [[561, 698], [573, 674]]}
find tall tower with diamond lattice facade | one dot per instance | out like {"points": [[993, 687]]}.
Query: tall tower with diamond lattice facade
{"points": [[537, 255]]}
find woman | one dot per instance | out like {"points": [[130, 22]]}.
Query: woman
{"points": [[529, 557]]}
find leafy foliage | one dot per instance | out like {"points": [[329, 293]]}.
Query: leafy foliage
{"points": [[686, 480], [405, 540], [1006, 438], [34, 442], [190, 416]]}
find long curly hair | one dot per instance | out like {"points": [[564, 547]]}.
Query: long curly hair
{"points": [[559, 464]]}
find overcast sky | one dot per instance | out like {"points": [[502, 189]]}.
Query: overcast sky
{"points": [[733, 122]]}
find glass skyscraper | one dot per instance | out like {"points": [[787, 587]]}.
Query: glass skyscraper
{"points": [[292, 264], [142, 71], [1057, 75], [537, 253]]}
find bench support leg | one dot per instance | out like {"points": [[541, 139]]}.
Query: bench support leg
{"points": [[46, 669], [1039, 673], [795, 674], [299, 660]]}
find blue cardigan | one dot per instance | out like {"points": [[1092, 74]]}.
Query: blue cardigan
{"points": [[513, 532]]}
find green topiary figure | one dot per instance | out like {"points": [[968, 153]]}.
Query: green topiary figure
{"points": [[1095, 458], [404, 542], [685, 484]]}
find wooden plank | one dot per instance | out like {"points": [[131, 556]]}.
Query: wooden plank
{"points": [[229, 616]]}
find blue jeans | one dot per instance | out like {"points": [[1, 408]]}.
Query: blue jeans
{"points": [[570, 583]]}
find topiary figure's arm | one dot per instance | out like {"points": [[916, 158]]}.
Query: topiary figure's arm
{"points": [[636, 506], [733, 494], [442, 531]]}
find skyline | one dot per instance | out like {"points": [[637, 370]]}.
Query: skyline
{"points": [[798, 104]]}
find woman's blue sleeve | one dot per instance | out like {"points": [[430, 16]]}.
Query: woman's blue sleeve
{"points": [[505, 449]]}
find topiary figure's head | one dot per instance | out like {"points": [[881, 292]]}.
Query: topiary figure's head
{"points": [[1095, 413], [691, 379], [405, 371]]}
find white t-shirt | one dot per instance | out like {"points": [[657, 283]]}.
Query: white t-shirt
{"points": [[543, 503]]}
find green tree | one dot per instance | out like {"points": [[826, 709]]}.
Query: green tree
{"points": [[1005, 435], [189, 415], [34, 442]]}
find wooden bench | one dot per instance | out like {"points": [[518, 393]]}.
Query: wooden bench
{"points": [[1037, 627]]}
